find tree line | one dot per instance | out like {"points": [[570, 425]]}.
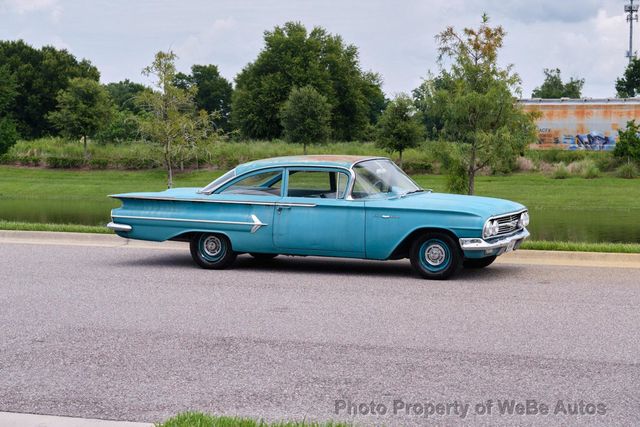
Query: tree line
{"points": [[304, 86]]}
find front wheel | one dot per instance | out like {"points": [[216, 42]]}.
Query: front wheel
{"points": [[435, 256], [212, 251], [478, 262]]}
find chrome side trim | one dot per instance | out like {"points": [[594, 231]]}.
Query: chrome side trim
{"points": [[299, 205], [478, 244], [255, 224], [173, 199], [119, 227]]}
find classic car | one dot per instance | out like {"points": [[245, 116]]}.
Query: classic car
{"points": [[334, 206]]}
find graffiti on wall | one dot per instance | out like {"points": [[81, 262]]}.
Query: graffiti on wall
{"points": [[575, 124]]}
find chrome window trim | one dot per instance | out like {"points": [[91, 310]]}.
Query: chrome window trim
{"points": [[256, 223], [348, 171], [353, 177]]}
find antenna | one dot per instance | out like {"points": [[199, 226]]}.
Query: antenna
{"points": [[632, 15]]}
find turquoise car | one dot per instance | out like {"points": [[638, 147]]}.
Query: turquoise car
{"points": [[333, 206]]}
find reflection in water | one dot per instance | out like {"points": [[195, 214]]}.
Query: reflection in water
{"points": [[577, 225]]}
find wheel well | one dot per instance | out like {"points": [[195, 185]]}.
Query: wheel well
{"points": [[402, 250]]}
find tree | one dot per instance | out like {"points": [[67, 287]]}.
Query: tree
{"points": [[84, 108], [474, 101], [170, 120], [399, 127], [306, 116], [124, 94], [628, 144], [628, 86], [8, 132], [40, 75], [293, 57], [212, 91], [553, 87]]}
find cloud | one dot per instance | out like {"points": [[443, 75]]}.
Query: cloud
{"points": [[198, 46], [546, 10], [22, 7]]}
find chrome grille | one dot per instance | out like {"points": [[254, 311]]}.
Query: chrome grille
{"points": [[508, 223]]}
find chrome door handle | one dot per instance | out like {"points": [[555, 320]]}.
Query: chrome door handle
{"points": [[281, 207]]}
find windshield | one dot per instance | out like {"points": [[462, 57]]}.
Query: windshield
{"points": [[216, 183], [381, 178]]}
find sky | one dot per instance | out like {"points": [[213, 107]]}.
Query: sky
{"points": [[584, 38]]}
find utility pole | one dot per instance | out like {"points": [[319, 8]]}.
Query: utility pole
{"points": [[632, 15]]}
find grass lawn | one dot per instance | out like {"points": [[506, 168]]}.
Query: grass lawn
{"points": [[198, 419]]}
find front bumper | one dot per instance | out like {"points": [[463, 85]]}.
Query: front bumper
{"points": [[118, 227], [483, 247]]}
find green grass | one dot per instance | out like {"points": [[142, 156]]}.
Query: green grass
{"points": [[621, 248], [69, 228], [198, 419]]}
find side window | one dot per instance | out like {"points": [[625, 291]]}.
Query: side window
{"points": [[260, 184], [323, 184]]}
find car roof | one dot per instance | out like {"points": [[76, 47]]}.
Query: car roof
{"points": [[343, 161]]}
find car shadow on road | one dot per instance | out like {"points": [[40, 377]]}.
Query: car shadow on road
{"points": [[319, 265]]}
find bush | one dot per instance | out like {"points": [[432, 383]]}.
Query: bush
{"points": [[65, 162], [8, 134], [99, 163], [591, 172], [560, 172], [524, 164], [579, 167], [627, 171]]}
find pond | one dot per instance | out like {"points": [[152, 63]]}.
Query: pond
{"points": [[570, 224]]}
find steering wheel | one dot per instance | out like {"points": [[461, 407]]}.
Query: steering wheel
{"points": [[379, 184]]}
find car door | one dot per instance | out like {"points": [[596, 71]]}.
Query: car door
{"points": [[314, 217]]}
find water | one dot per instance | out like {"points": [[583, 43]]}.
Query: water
{"points": [[576, 225]]}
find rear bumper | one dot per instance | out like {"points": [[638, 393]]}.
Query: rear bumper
{"points": [[118, 227], [477, 246]]}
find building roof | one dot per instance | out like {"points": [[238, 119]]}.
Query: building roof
{"points": [[344, 161]]}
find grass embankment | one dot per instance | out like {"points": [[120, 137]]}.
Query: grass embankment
{"points": [[197, 419]]}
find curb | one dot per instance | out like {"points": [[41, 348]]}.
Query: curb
{"points": [[14, 419], [531, 257]]}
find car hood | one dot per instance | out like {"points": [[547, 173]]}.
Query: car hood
{"points": [[474, 205]]}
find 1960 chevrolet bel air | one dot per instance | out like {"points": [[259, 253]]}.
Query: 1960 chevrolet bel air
{"points": [[338, 206]]}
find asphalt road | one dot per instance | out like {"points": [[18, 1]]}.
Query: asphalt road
{"points": [[141, 334]]}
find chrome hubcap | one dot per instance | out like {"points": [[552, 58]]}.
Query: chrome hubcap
{"points": [[435, 254], [212, 246]]}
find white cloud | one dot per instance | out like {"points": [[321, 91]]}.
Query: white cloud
{"points": [[52, 7]]}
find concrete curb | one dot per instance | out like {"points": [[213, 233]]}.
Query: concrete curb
{"points": [[560, 258], [14, 419]]}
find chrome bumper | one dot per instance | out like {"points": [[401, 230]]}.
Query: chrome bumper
{"points": [[477, 244], [118, 227]]}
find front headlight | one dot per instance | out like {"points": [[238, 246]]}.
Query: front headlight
{"points": [[524, 219], [490, 229]]}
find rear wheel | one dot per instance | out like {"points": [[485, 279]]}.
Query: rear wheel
{"points": [[478, 262], [212, 251], [435, 256], [262, 257]]}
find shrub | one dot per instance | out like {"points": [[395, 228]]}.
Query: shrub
{"points": [[524, 164], [65, 162], [99, 163], [627, 171], [560, 172], [8, 134], [590, 172], [579, 167]]}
